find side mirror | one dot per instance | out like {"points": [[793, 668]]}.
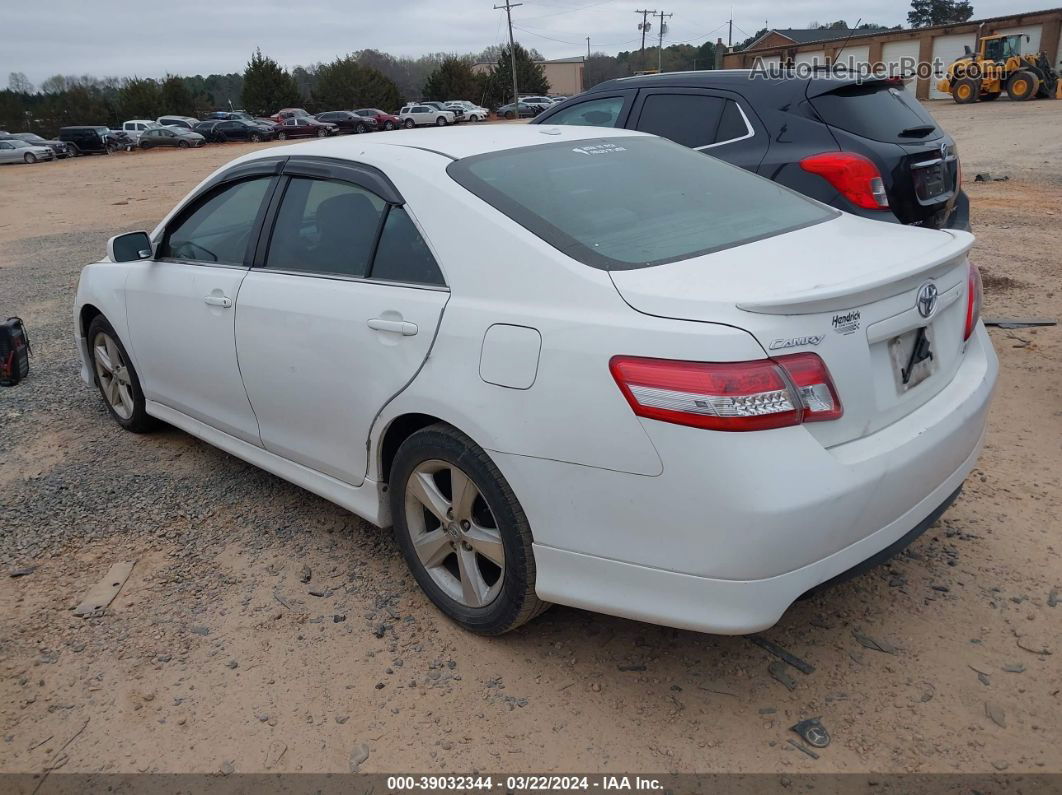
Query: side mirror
{"points": [[129, 247]]}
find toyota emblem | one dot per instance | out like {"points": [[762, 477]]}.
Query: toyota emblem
{"points": [[927, 299]]}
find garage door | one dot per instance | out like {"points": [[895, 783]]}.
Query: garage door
{"points": [[897, 53], [767, 62], [858, 55], [945, 50], [814, 57], [1032, 31]]}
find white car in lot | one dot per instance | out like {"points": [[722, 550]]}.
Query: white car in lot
{"points": [[685, 394], [472, 112], [135, 128], [416, 115]]}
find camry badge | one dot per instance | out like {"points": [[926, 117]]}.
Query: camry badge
{"points": [[926, 301], [793, 342]]}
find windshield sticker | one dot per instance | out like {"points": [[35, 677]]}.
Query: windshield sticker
{"points": [[847, 323], [599, 149]]}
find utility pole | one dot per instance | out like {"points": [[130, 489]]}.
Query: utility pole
{"points": [[644, 28], [660, 45], [588, 48], [730, 31], [512, 52]]}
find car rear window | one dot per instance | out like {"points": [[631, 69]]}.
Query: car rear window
{"points": [[632, 202], [879, 111]]}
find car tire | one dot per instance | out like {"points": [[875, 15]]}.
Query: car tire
{"points": [[360, 129], [441, 121], [510, 115], [965, 91], [410, 124], [73, 150], [282, 136], [486, 583], [116, 378], [29, 157], [1022, 85], [182, 144], [255, 138], [389, 125]]}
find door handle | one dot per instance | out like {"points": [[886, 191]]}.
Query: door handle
{"points": [[403, 327], [218, 300]]}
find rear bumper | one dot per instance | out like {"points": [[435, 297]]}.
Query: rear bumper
{"points": [[738, 526]]}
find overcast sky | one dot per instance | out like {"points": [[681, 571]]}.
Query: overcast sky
{"points": [[149, 39]]}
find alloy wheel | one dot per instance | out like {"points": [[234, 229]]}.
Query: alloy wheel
{"points": [[113, 375], [30, 157], [454, 533]]}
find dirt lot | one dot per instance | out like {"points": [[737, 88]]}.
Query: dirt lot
{"points": [[217, 656]]}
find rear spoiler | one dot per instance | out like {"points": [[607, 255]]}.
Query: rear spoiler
{"points": [[817, 86]]}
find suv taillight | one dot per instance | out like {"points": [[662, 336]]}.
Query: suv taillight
{"points": [[729, 396], [855, 176], [974, 297]]}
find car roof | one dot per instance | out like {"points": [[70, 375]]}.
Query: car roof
{"points": [[452, 142], [740, 80]]}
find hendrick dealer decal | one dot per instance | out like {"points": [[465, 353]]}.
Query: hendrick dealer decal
{"points": [[847, 323]]}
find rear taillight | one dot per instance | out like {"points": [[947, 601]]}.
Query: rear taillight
{"points": [[974, 297], [729, 396], [855, 176]]}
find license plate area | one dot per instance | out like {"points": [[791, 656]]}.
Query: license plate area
{"points": [[913, 357]]}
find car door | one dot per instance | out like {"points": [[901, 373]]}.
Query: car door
{"points": [[337, 315], [181, 304], [717, 123], [422, 114], [233, 130]]}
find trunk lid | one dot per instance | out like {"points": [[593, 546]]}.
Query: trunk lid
{"points": [[845, 289]]}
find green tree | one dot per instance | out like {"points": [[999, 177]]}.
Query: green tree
{"points": [[176, 98], [140, 98], [267, 87], [344, 84], [452, 79], [530, 77], [924, 13]]}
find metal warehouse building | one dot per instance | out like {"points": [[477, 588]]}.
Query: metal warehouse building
{"points": [[943, 43]]}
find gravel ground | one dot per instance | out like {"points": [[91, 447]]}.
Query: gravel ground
{"points": [[265, 629]]}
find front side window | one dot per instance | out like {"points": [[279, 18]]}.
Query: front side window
{"points": [[631, 202], [218, 229], [593, 113], [325, 227]]}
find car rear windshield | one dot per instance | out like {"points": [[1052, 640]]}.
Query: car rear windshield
{"points": [[631, 202], [879, 111]]}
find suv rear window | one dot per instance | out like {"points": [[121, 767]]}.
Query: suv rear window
{"points": [[623, 203], [879, 111]]}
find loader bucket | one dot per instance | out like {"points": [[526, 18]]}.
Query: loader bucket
{"points": [[1058, 89]]}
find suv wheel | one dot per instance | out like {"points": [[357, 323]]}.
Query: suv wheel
{"points": [[410, 124], [116, 378], [462, 532], [441, 121]]}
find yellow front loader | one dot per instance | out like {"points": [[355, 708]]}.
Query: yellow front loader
{"points": [[999, 66]]}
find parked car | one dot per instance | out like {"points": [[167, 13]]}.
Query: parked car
{"points": [[186, 122], [419, 114], [459, 113], [134, 128], [224, 115], [384, 120], [541, 102], [525, 111], [348, 121], [303, 127], [290, 113], [687, 394], [471, 112], [224, 130], [867, 147], [59, 149], [98, 139], [13, 150], [171, 136]]}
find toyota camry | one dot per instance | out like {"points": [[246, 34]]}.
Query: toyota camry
{"points": [[658, 387]]}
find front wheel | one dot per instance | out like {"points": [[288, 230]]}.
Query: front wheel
{"points": [[462, 532], [966, 91], [117, 379], [30, 157], [182, 144], [322, 133], [255, 138], [441, 121], [389, 125], [510, 115], [282, 136], [410, 124]]}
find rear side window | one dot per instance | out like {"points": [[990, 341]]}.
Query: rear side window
{"points": [[402, 255], [687, 119], [325, 227], [593, 113], [219, 228], [622, 203], [877, 111]]}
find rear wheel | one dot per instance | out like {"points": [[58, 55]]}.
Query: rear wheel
{"points": [[117, 379], [1022, 85], [29, 157], [965, 91], [462, 532]]}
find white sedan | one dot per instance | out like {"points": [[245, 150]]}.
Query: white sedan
{"points": [[661, 387]]}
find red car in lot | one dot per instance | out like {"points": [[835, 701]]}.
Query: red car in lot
{"points": [[384, 121], [304, 127]]}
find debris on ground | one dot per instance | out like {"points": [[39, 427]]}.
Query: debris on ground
{"points": [[1019, 322], [100, 595], [1053, 599], [996, 714], [778, 651], [358, 756], [1014, 668], [812, 732], [986, 177], [305, 574], [803, 749], [22, 572], [779, 671], [873, 643]]}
